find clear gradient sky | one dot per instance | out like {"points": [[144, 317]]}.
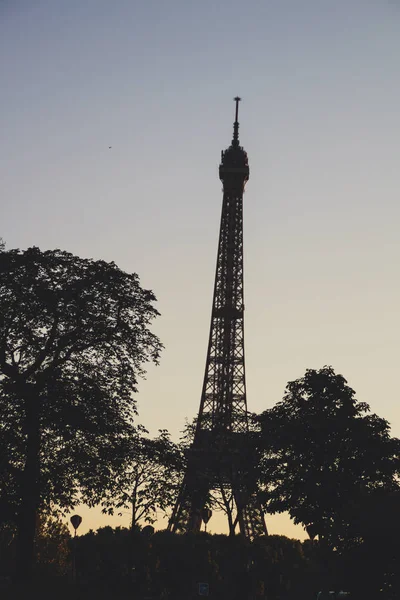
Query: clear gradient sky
{"points": [[155, 79]]}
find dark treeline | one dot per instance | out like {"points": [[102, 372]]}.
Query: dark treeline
{"points": [[126, 563], [275, 567], [74, 339]]}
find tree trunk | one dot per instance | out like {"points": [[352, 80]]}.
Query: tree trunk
{"points": [[231, 526], [134, 515], [228, 510], [30, 496]]}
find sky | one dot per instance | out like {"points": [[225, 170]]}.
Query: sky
{"points": [[155, 80]]}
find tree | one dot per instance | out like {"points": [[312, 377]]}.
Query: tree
{"points": [[150, 481], [323, 454], [372, 568], [74, 336], [52, 551], [52, 546]]}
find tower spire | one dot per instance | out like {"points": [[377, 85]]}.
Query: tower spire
{"points": [[235, 140]]}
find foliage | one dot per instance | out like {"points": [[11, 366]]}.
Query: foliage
{"points": [[324, 454], [372, 568], [74, 336], [8, 533], [52, 550], [281, 564], [52, 547], [169, 565], [123, 563], [150, 481], [104, 555]]}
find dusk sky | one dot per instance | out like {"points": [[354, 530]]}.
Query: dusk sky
{"points": [[155, 79]]}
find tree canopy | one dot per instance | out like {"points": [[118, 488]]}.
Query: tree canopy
{"points": [[74, 338], [150, 481], [324, 454]]}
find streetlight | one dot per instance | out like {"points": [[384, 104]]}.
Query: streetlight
{"points": [[206, 514], [312, 531], [147, 532], [76, 520]]}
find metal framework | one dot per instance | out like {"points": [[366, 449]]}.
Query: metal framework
{"points": [[222, 421]]}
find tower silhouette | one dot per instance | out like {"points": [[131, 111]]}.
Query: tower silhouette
{"points": [[215, 459]]}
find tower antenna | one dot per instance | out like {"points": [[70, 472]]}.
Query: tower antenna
{"points": [[235, 141]]}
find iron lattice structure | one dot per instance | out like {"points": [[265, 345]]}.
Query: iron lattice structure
{"points": [[216, 455]]}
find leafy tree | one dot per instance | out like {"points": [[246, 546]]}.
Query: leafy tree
{"points": [[372, 568], [150, 481], [7, 549], [279, 564], [104, 555], [52, 546], [323, 454], [74, 336]]}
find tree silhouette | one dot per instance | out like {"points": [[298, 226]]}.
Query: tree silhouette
{"points": [[74, 336], [323, 453], [52, 546], [150, 481]]}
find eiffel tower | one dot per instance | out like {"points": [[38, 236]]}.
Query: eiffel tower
{"points": [[215, 459]]}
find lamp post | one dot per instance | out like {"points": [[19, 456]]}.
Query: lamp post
{"points": [[206, 514], [147, 532], [76, 520]]}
